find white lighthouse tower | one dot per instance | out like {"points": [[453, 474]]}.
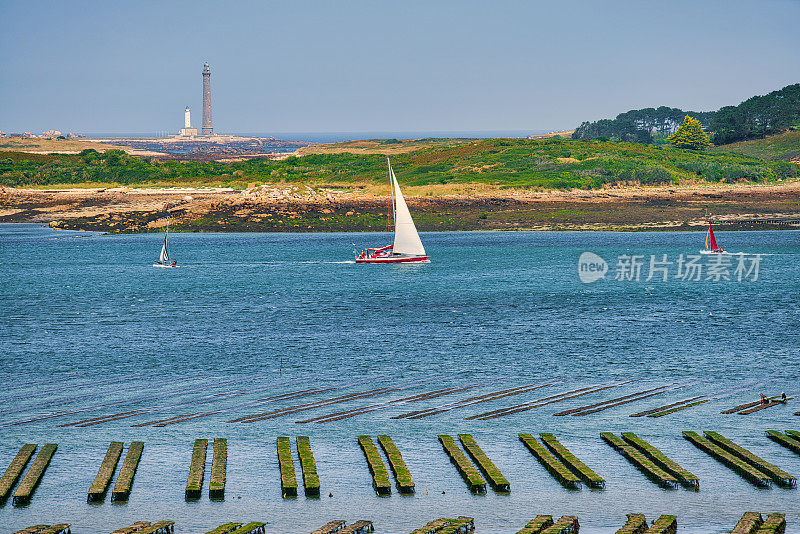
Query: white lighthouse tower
{"points": [[187, 130]]}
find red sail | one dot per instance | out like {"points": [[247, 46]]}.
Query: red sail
{"points": [[712, 243]]}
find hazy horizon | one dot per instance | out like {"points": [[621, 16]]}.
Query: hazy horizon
{"points": [[362, 66]]}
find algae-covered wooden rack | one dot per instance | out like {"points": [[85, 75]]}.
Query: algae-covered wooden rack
{"points": [[684, 476], [398, 466], [225, 528], [219, 464], [61, 528], [496, 478], [122, 489], [777, 474], [636, 524], [380, 476], [746, 407], [99, 487], [471, 401], [474, 480], [560, 472], [552, 399], [446, 525], [286, 465], [537, 524], [308, 465], [330, 527], [748, 524], [763, 406], [652, 411], [33, 529], [666, 524], [618, 401], [346, 414], [743, 468], [773, 524], [30, 481], [130, 529], [254, 527], [358, 527], [592, 479], [787, 440], [160, 527], [642, 462], [566, 524], [197, 469], [15, 469], [679, 408]]}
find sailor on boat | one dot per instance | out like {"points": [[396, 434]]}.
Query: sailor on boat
{"points": [[407, 246]]}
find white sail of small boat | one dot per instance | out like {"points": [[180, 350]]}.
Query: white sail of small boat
{"points": [[163, 258], [406, 237], [407, 246]]}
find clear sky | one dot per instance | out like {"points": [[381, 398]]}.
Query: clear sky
{"points": [[336, 66]]}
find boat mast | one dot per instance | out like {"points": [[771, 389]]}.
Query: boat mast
{"points": [[391, 190]]}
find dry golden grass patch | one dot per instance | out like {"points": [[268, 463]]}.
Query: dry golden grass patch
{"points": [[46, 146]]}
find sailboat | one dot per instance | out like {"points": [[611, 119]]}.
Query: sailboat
{"points": [[407, 246], [711, 243], [163, 258]]}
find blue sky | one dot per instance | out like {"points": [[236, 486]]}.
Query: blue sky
{"points": [[306, 66]]}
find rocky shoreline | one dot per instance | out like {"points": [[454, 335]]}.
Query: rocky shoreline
{"points": [[300, 208]]}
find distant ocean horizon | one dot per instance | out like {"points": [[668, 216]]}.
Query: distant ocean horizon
{"points": [[334, 137]]}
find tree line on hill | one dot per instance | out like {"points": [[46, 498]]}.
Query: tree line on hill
{"points": [[754, 118]]}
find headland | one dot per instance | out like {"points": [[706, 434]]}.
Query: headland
{"points": [[550, 183]]}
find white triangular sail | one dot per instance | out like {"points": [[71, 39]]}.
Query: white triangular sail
{"points": [[406, 238], [164, 257]]}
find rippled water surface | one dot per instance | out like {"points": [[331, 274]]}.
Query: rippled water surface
{"points": [[88, 328]]}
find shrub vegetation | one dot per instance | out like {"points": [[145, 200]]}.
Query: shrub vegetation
{"points": [[549, 164]]}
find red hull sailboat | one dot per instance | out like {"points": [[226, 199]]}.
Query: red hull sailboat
{"points": [[407, 246], [711, 243]]}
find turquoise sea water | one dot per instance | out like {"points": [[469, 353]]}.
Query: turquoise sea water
{"points": [[88, 325]]}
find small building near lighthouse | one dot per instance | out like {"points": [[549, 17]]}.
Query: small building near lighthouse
{"points": [[187, 130]]}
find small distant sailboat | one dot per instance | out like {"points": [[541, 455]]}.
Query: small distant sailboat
{"points": [[407, 246], [163, 258], [711, 246]]}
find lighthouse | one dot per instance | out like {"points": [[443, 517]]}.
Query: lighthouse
{"points": [[208, 129], [187, 130]]}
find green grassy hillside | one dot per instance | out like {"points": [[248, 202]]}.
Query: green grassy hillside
{"points": [[785, 146], [550, 164]]}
